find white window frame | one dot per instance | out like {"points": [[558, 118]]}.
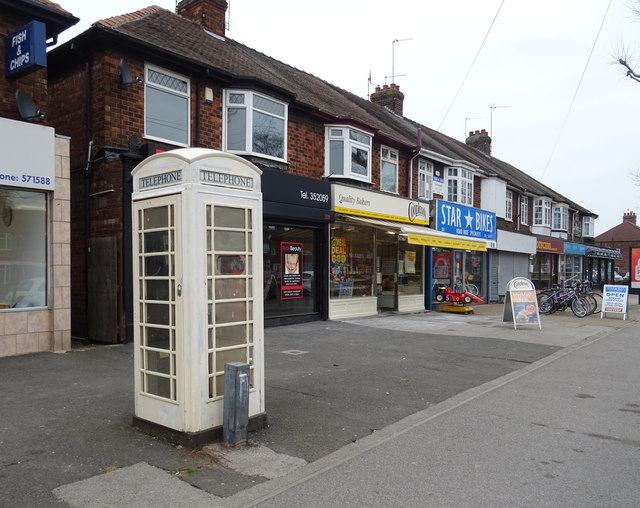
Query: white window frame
{"points": [[389, 161], [459, 185], [560, 220], [250, 107], [542, 212], [508, 214], [587, 226], [524, 210], [425, 179], [149, 84], [350, 139]]}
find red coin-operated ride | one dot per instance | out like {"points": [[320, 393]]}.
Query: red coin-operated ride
{"points": [[446, 294]]}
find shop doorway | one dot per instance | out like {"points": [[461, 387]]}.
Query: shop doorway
{"points": [[292, 274], [387, 272]]}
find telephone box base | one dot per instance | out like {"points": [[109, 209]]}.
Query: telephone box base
{"points": [[193, 439]]}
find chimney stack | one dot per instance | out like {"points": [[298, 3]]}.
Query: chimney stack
{"points": [[629, 216], [480, 140], [389, 96], [209, 14]]}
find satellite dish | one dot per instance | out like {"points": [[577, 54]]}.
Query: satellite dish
{"points": [[27, 107], [125, 77]]}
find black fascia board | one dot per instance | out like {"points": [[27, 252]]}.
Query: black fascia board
{"points": [[55, 20]]}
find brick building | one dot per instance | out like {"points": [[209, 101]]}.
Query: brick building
{"points": [[624, 237], [35, 296], [352, 180]]}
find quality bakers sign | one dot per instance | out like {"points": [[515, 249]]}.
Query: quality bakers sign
{"points": [[355, 201]]}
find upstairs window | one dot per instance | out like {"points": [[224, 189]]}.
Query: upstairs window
{"points": [[425, 179], [561, 217], [587, 226], [255, 124], [524, 210], [508, 214], [577, 225], [388, 170], [166, 106], [460, 186], [348, 153], [542, 212]]}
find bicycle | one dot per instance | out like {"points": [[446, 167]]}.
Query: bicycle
{"points": [[560, 299]]}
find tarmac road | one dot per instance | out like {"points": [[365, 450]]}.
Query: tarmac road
{"points": [[66, 418]]}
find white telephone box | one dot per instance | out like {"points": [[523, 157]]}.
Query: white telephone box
{"points": [[197, 269]]}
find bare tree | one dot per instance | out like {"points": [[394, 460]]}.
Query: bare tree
{"points": [[623, 55]]}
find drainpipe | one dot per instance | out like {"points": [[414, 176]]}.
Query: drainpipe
{"points": [[87, 191], [414, 154]]}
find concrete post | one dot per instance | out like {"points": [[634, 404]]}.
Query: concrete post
{"points": [[236, 403]]}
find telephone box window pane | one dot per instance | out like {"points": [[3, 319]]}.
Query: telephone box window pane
{"points": [[229, 217], [157, 290], [158, 361], [158, 338], [157, 241], [160, 386], [155, 218], [232, 355], [231, 312], [158, 314], [230, 265], [227, 289], [233, 241], [227, 336], [156, 266]]}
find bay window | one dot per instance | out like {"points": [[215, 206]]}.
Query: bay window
{"points": [[460, 186], [542, 212], [348, 153], [561, 217], [587, 226], [255, 124]]}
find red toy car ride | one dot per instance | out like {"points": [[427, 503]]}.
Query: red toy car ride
{"points": [[446, 294]]}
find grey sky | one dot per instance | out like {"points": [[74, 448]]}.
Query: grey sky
{"points": [[529, 68]]}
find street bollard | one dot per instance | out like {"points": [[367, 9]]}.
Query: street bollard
{"points": [[236, 403]]}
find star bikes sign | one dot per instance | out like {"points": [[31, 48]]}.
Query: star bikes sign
{"points": [[465, 221]]}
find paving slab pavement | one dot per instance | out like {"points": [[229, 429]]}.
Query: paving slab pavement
{"points": [[67, 417]]}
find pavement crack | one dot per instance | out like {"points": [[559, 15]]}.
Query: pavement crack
{"points": [[296, 391]]}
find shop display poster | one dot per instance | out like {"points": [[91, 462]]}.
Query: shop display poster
{"points": [[291, 276], [521, 304], [614, 300]]}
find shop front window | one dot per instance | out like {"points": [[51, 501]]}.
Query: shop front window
{"points": [[462, 271], [570, 268], [409, 268], [290, 270], [352, 258], [542, 270], [23, 249]]}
